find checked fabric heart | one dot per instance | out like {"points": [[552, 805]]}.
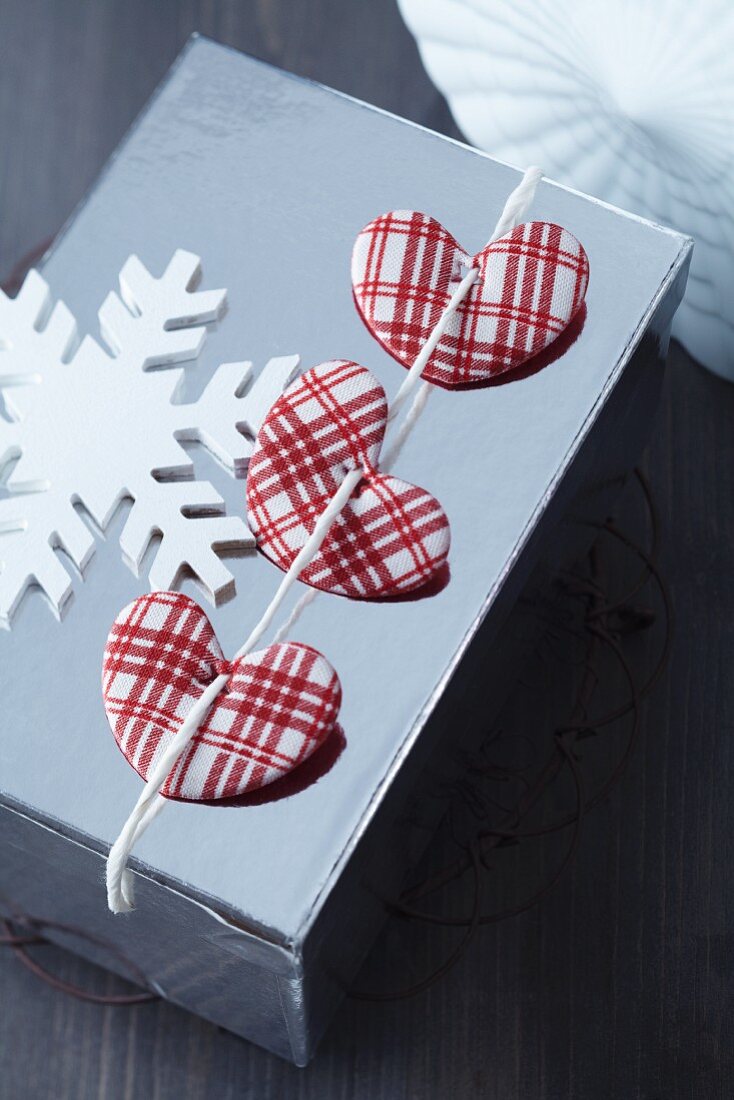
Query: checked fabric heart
{"points": [[280, 704], [390, 538], [531, 283]]}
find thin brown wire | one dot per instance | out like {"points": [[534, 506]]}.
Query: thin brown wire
{"points": [[601, 613], [30, 936]]}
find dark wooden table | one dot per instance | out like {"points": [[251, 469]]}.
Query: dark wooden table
{"points": [[619, 984]]}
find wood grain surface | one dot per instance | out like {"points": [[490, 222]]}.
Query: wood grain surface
{"points": [[619, 985]]}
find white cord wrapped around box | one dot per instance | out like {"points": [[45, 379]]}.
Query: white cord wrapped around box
{"points": [[120, 894]]}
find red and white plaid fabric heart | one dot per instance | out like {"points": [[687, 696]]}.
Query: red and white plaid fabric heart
{"points": [[280, 704], [392, 537], [531, 283]]}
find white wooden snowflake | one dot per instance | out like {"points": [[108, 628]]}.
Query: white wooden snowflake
{"points": [[86, 426]]}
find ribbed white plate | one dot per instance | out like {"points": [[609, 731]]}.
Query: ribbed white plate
{"points": [[628, 100]]}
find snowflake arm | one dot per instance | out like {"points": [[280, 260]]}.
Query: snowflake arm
{"points": [[32, 337], [158, 321], [28, 549], [189, 518], [228, 415]]}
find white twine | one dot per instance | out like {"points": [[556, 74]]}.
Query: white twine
{"points": [[386, 464], [120, 889], [298, 608], [431, 343], [518, 202], [514, 209], [120, 894]]}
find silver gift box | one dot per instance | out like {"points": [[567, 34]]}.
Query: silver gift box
{"points": [[256, 916]]}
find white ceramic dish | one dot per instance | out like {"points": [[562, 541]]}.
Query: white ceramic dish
{"points": [[629, 100]]}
